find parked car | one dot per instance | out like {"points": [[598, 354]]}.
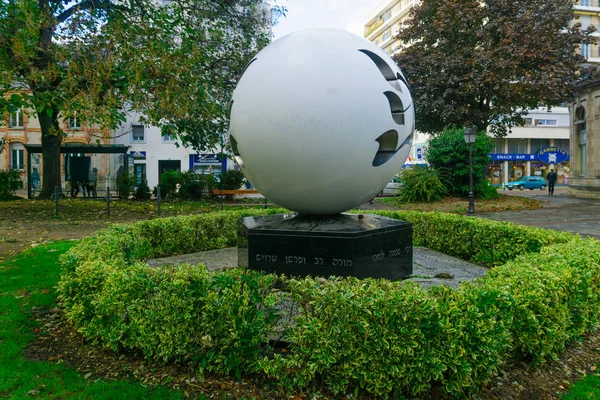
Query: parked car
{"points": [[528, 182], [392, 188]]}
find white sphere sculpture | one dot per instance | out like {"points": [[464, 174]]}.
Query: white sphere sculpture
{"points": [[321, 120]]}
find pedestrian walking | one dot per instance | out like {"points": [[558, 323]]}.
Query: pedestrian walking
{"points": [[551, 178]]}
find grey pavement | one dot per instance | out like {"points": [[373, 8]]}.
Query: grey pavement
{"points": [[430, 268], [560, 212]]}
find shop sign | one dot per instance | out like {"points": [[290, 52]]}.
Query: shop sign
{"points": [[552, 155], [419, 153], [204, 160], [138, 154], [513, 157]]}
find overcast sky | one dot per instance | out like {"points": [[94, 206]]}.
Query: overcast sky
{"points": [[350, 15]]}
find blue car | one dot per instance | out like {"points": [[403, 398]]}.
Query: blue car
{"points": [[528, 182]]}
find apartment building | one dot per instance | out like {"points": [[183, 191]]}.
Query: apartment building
{"points": [[525, 150], [585, 110], [21, 129], [149, 154]]}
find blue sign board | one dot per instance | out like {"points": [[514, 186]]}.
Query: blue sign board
{"points": [[419, 153], [207, 159], [553, 155], [514, 157], [138, 154], [548, 155]]}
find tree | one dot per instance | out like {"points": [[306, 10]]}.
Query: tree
{"points": [[448, 154], [486, 62], [176, 64]]}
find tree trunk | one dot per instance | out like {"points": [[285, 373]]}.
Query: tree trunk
{"points": [[51, 143]]}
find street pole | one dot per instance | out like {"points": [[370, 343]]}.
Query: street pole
{"points": [[471, 192]]}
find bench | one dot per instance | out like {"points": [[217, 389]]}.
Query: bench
{"points": [[224, 192]]}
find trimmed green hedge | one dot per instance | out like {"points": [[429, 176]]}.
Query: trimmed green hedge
{"points": [[385, 338]]}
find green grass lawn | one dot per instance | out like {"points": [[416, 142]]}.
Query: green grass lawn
{"points": [[588, 388], [28, 280]]}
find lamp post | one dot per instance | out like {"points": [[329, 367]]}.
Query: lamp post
{"points": [[470, 135]]}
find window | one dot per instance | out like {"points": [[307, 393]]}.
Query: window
{"points": [[386, 35], [498, 145], [585, 50], [586, 21], [16, 119], [562, 144], [386, 15], [137, 133], [168, 138], [538, 144], [527, 121], [16, 156], [73, 122], [517, 146], [546, 122], [584, 2]]}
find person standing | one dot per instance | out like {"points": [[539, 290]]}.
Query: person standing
{"points": [[92, 182], [551, 178], [74, 188]]}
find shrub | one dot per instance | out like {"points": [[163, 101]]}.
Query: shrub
{"points": [[125, 182], [10, 181], [385, 338], [421, 184], [168, 183], [231, 179], [142, 191], [211, 183], [192, 185], [448, 154]]}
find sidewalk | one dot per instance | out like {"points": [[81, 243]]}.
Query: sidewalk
{"points": [[560, 212]]}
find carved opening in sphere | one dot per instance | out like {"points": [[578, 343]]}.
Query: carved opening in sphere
{"points": [[387, 147], [396, 107], [235, 151], [229, 116], [247, 66], [401, 78], [384, 68]]}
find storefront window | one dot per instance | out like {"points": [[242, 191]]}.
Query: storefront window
{"points": [[494, 173], [538, 144], [517, 170], [539, 169], [498, 146], [517, 146], [562, 144]]}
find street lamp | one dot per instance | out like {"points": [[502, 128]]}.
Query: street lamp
{"points": [[470, 135]]}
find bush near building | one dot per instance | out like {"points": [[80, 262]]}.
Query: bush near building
{"points": [[384, 338], [448, 154], [10, 181]]}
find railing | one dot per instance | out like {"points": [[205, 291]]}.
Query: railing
{"points": [[374, 27]]}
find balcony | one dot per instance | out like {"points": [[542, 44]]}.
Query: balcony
{"points": [[587, 4]]}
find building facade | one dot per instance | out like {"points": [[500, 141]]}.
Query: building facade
{"points": [[533, 149], [22, 127], [585, 140], [151, 154]]}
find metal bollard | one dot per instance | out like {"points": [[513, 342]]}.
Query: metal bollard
{"points": [[158, 198], [56, 201], [108, 201]]}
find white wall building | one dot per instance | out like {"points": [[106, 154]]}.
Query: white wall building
{"points": [[151, 154], [514, 156]]}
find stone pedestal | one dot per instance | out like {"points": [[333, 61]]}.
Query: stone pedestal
{"points": [[342, 245]]}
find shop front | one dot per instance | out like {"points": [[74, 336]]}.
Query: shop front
{"points": [[208, 164], [506, 168]]}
